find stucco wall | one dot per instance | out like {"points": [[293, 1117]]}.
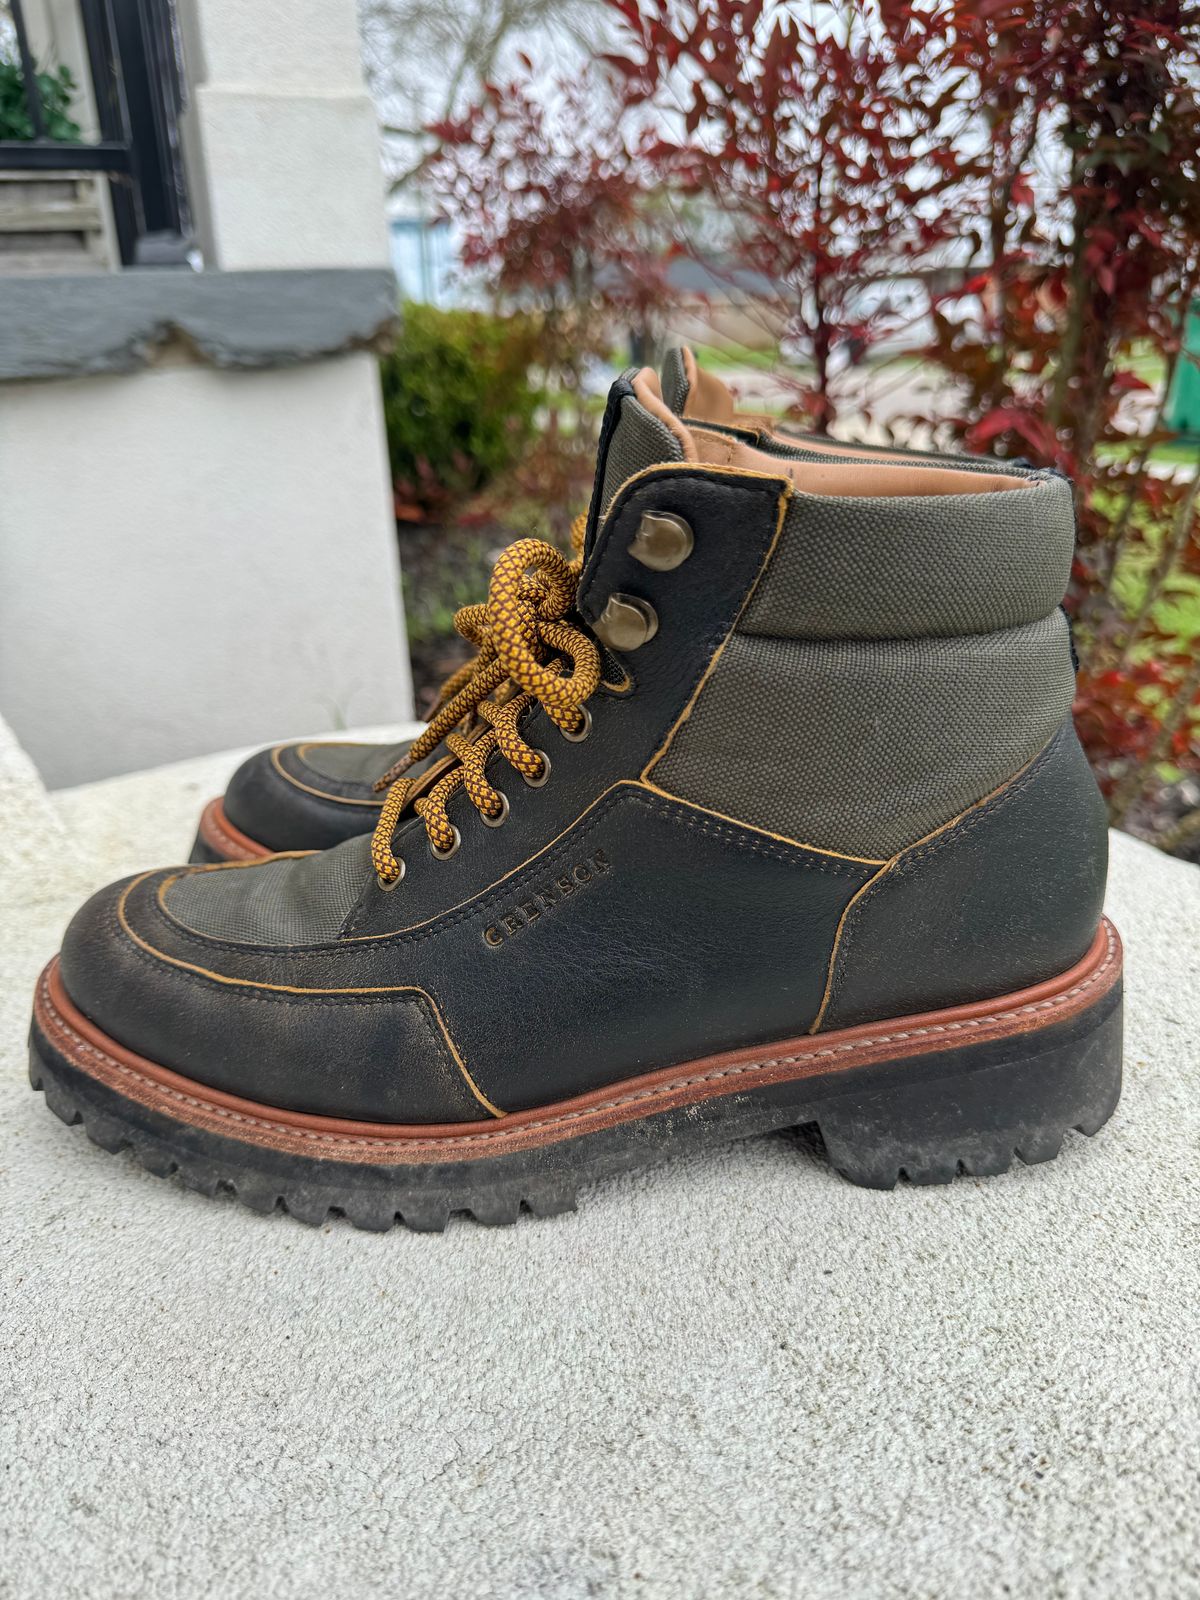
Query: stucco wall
{"points": [[193, 556], [280, 135], [191, 559]]}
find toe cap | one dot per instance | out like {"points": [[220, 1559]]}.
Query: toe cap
{"points": [[269, 1026], [285, 802]]}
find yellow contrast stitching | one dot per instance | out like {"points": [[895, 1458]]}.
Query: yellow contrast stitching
{"points": [[635, 784], [287, 988], [892, 861], [827, 992], [780, 838], [459, 1142], [622, 783], [321, 794], [784, 497]]}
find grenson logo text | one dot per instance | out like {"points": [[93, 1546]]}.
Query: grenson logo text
{"points": [[547, 898]]}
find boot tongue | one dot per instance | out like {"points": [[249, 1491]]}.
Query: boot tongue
{"points": [[676, 383], [690, 392], [638, 431]]}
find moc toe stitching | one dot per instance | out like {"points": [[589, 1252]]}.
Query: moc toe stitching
{"points": [[386, 1057], [299, 809], [289, 760]]}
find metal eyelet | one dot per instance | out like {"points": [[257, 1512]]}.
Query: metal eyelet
{"points": [[662, 542], [626, 623], [582, 731], [444, 855], [388, 884], [536, 783], [501, 816]]}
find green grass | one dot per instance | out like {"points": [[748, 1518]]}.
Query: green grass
{"points": [[722, 357], [1181, 452]]}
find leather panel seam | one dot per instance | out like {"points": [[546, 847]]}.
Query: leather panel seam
{"points": [[252, 989], [319, 794], [905, 861], [681, 813], [719, 645]]}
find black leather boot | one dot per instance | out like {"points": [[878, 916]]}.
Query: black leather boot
{"points": [[311, 794], [774, 817]]}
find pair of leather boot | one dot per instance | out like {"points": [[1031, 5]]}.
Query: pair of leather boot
{"points": [[765, 813]]}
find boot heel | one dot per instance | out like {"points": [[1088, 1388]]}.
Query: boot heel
{"points": [[972, 1109]]}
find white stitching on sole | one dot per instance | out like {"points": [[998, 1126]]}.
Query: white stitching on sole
{"points": [[659, 1091]]}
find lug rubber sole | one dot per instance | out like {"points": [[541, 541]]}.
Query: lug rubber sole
{"points": [[218, 841], [921, 1098]]}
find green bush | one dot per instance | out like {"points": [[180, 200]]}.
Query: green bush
{"points": [[57, 91], [458, 403]]}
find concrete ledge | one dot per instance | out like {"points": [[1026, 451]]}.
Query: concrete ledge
{"points": [[733, 1376], [60, 327]]}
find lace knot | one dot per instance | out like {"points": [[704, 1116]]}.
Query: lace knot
{"points": [[523, 637]]}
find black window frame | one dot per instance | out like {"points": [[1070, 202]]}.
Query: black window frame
{"points": [[135, 64]]}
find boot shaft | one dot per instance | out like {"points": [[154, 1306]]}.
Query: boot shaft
{"points": [[900, 653]]}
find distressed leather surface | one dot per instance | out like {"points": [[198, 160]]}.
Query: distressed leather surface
{"points": [[677, 934], [299, 808], [649, 934], [604, 930], [1008, 896]]}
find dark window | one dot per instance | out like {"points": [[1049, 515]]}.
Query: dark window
{"points": [[133, 54]]}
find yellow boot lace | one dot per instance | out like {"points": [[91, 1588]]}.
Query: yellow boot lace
{"points": [[522, 639], [461, 676]]}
